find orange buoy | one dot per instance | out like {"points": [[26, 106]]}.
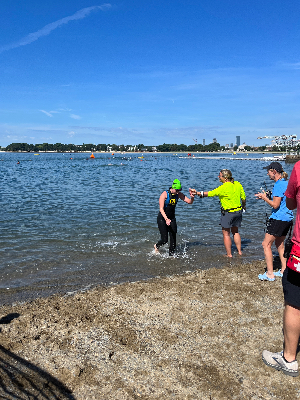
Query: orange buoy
{"points": [[92, 156]]}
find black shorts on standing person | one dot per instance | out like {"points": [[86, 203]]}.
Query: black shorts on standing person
{"points": [[278, 228], [291, 287]]}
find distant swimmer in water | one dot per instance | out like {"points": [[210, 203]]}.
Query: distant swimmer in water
{"points": [[166, 220], [18, 162], [233, 202]]}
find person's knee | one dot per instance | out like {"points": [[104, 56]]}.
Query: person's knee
{"points": [[226, 232], [266, 244]]}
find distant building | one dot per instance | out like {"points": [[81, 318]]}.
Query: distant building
{"points": [[131, 148], [238, 141], [203, 142], [231, 144], [226, 146], [242, 147], [214, 140]]}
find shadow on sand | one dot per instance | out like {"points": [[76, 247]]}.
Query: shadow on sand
{"points": [[20, 379]]}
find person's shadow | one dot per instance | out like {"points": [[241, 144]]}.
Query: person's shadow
{"points": [[20, 379]]}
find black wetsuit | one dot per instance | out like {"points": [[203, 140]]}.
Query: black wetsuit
{"points": [[164, 229]]}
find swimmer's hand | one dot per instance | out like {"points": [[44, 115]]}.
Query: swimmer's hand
{"points": [[192, 192], [168, 221]]}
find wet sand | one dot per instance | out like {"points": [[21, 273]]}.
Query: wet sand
{"points": [[194, 336]]}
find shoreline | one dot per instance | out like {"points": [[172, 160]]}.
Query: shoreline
{"points": [[193, 336]]}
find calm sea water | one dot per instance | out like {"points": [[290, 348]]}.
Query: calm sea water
{"points": [[69, 222]]}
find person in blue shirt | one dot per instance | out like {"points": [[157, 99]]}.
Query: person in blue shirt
{"points": [[279, 222]]}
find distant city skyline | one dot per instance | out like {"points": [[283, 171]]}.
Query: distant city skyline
{"points": [[149, 72]]}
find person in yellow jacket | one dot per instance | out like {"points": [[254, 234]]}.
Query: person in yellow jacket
{"points": [[233, 201]]}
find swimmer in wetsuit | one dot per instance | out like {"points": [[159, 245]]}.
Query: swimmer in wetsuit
{"points": [[166, 220]]}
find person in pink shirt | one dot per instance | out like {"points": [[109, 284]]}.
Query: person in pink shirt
{"points": [[285, 360]]}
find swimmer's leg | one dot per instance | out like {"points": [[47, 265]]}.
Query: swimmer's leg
{"points": [[227, 241], [172, 233], [163, 229], [237, 239]]}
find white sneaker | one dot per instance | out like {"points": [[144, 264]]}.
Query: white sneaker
{"points": [[276, 360]]}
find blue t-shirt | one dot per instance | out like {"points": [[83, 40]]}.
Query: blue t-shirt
{"points": [[281, 213]]}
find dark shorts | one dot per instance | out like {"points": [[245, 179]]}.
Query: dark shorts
{"points": [[291, 287], [230, 219], [278, 228]]}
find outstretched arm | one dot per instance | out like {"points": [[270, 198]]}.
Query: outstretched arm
{"points": [[187, 199], [200, 194]]}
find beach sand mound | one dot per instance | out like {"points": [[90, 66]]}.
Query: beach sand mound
{"points": [[194, 336]]}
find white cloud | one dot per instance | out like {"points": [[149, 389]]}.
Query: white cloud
{"points": [[74, 116], [47, 29], [292, 65], [49, 113]]}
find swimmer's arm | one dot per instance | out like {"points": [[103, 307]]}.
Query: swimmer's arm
{"points": [[187, 199], [162, 200]]}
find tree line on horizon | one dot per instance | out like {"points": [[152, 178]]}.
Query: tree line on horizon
{"points": [[60, 147]]}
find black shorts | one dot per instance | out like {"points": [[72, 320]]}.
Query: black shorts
{"points": [[230, 219], [291, 287], [278, 228]]}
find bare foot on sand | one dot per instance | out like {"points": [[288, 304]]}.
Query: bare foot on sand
{"points": [[156, 249], [226, 255]]}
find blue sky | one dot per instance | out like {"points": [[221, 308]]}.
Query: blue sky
{"points": [[138, 71]]}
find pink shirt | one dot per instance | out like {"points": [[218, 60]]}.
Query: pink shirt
{"points": [[293, 192]]}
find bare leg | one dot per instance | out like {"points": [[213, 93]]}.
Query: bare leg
{"points": [[237, 239], [291, 330], [227, 241], [156, 249], [279, 243], [267, 246]]}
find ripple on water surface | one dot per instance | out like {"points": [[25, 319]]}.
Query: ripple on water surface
{"points": [[69, 221]]}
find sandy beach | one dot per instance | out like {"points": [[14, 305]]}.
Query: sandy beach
{"points": [[195, 336]]}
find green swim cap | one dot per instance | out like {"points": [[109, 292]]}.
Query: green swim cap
{"points": [[176, 184]]}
